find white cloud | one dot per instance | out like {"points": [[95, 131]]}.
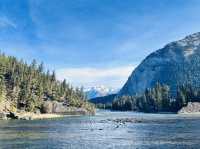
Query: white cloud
{"points": [[5, 22], [87, 77]]}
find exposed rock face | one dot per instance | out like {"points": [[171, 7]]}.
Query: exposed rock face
{"points": [[47, 107], [192, 107], [175, 64], [61, 108]]}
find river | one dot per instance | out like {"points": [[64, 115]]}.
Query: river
{"points": [[161, 131]]}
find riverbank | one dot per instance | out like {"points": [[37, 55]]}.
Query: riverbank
{"points": [[48, 110], [34, 116]]}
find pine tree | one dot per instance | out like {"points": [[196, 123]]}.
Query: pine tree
{"points": [[27, 86], [2, 89]]}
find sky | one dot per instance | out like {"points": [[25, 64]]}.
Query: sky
{"points": [[93, 42]]}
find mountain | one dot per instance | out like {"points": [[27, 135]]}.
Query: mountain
{"points": [[98, 91], [176, 64]]}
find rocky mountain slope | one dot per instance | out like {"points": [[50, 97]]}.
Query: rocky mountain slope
{"points": [[176, 64]]}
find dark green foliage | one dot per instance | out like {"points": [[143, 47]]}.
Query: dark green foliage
{"points": [[187, 93], [125, 103], [103, 100], [158, 99], [104, 106], [27, 86]]}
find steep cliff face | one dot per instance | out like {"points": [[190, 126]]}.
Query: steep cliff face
{"points": [[175, 64]]}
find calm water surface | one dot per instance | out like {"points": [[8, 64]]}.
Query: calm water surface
{"points": [[95, 132]]}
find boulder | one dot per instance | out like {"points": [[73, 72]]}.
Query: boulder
{"points": [[47, 107], [61, 108], [192, 107]]}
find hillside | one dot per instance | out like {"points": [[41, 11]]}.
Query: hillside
{"points": [[26, 87]]}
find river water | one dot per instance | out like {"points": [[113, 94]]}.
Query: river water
{"points": [[162, 131]]}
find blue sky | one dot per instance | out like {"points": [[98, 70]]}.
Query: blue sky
{"points": [[93, 42]]}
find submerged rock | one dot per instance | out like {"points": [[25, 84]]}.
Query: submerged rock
{"points": [[192, 107]]}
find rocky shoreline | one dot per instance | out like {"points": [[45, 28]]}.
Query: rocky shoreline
{"points": [[22, 115], [28, 116], [49, 110], [191, 108]]}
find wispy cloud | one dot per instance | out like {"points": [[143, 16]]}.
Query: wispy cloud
{"points": [[112, 77], [6, 22], [94, 34]]}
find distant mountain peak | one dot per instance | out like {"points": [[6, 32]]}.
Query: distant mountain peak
{"points": [[98, 91]]}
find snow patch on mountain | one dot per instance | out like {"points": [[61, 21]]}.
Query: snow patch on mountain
{"points": [[99, 91]]}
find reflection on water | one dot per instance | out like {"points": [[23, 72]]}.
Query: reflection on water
{"points": [[96, 132]]}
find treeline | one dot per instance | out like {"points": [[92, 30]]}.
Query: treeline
{"points": [[26, 86], [158, 99], [104, 102]]}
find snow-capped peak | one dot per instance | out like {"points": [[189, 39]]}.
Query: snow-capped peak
{"points": [[98, 91]]}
